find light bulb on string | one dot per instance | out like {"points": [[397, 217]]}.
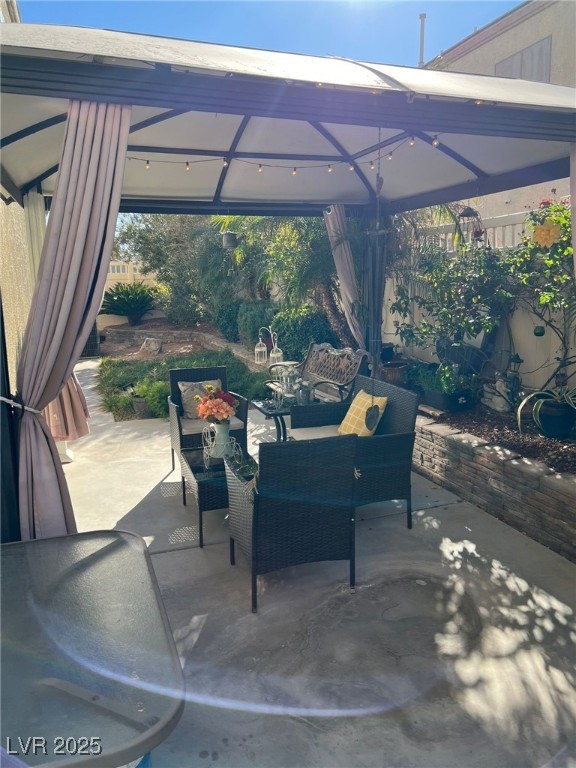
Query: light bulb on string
{"points": [[412, 141], [329, 169], [187, 166], [225, 162], [350, 167], [389, 156], [372, 166], [147, 166], [435, 141], [260, 168], [293, 171]]}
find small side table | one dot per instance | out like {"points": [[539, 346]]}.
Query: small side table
{"points": [[207, 482], [270, 410]]}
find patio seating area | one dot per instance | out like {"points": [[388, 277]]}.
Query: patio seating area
{"points": [[456, 649]]}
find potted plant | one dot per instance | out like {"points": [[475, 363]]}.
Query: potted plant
{"points": [[445, 388], [554, 411]]}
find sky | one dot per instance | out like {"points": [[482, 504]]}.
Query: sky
{"points": [[385, 31]]}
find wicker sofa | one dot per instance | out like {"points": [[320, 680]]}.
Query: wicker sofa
{"points": [[384, 460]]}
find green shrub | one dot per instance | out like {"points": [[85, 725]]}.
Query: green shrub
{"points": [[226, 320], [131, 300], [297, 327], [118, 379], [183, 307], [155, 393], [119, 404], [251, 317]]}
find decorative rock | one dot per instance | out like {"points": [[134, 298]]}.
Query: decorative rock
{"points": [[151, 346]]}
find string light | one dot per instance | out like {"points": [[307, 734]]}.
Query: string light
{"points": [[294, 171], [350, 167], [412, 141], [478, 102], [259, 167], [372, 166], [147, 166], [435, 141], [187, 166], [225, 162], [389, 156], [329, 169]]}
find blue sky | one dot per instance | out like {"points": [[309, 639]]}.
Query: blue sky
{"points": [[385, 31]]}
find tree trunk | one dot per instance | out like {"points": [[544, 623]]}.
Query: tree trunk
{"points": [[335, 316]]}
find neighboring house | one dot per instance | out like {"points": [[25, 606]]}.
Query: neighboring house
{"points": [[534, 41], [127, 272]]}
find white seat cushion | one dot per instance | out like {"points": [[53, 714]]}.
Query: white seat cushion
{"points": [[195, 426], [311, 433]]}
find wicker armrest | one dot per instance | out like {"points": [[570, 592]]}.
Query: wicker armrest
{"points": [[317, 414], [174, 415]]}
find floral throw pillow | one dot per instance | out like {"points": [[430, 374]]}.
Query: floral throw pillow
{"points": [[189, 390]]}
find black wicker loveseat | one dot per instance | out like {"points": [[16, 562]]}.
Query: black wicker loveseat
{"points": [[384, 460]]}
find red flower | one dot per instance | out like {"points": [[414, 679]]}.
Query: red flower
{"points": [[228, 398]]}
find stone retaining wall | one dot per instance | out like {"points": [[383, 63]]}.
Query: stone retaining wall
{"points": [[523, 493]]}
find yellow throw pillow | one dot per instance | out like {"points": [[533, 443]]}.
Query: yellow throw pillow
{"points": [[188, 390], [354, 422]]}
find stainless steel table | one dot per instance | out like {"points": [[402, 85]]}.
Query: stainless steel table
{"points": [[90, 673]]}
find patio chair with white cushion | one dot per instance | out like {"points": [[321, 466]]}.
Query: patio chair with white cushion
{"points": [[186, 426]]}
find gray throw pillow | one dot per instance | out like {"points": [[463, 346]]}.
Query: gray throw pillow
{"points": [[189, 390]]}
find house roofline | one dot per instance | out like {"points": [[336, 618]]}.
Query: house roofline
{"points": [[496, 28]]}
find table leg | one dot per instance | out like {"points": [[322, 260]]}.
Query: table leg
{"points": [[184, 491], [281, 433], [200, 526]]}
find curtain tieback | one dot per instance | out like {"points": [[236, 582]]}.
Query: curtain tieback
{"points": [[17, 402]]}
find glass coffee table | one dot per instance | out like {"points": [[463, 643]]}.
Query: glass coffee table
{"points": [[206, 478]]}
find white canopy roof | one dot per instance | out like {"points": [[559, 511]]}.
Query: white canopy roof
{"points": [[228, 129]]}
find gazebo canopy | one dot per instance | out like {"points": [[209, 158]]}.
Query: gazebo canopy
{"points": [[235, 130]]}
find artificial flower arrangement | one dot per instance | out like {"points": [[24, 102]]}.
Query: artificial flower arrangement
{"points": [[216, 406]]}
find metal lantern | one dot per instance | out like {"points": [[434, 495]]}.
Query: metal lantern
{"points": [[276, 354], [260, 352]]}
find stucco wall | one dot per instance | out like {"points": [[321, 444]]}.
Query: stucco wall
{"points": [[480, 53], [15, 280]]}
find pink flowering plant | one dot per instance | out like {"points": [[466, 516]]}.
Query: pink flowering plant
{"points": [[216, 406]]}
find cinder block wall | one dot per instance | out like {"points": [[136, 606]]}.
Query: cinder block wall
{"points": [[524, 493]]}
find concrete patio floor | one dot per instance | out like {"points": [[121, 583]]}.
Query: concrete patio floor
{"points": [[456, 650]]}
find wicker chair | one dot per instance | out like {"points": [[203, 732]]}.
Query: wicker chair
{"points": [[186, 434], [384, 460], [302, 509]]}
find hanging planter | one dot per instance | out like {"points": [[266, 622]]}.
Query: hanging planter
{"points": [[229, 239]]}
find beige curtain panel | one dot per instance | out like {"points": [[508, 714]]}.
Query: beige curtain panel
{"points": [[336, 228], [71, 278], [67, 415]]}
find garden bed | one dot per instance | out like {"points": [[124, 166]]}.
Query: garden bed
{"points": [[501, 429]]}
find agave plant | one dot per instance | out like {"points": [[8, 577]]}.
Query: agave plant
{"points": [[132, 300]]}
